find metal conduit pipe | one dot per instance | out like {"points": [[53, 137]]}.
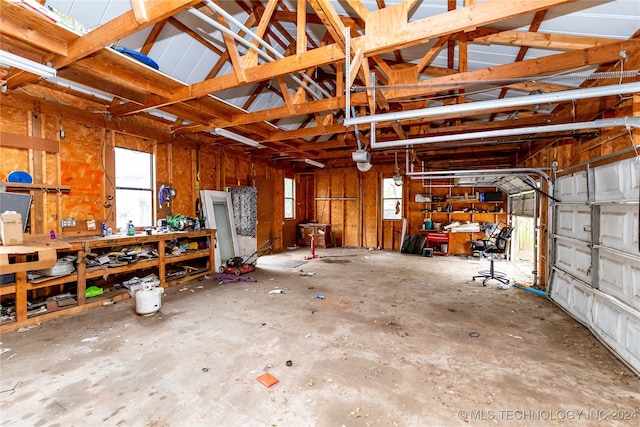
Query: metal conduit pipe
{"points": [[356, 131], [264, 44], [625, 122], [496, 172], [471, 107], [245, 43]]}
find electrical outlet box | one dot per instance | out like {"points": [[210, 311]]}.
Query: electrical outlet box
{"points": [[67, 222]]}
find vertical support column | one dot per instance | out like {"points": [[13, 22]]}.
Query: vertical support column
{"points": [[162, 271], [81, 274], [58, 178], [536, 237], [595, 228], [110, 176], [212, 253], [21, 291], [37, 170], [635, 138]]}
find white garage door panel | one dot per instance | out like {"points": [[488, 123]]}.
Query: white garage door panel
{"points": [[560, 285], [574, 221], [565, 259], [523, 204], [606, 319], [614, 323], [620, 277], [574, 258], [572, 188], [573, 295], [617, 225], [618, 326], [608, 302], [617, 181], [632, 338]]}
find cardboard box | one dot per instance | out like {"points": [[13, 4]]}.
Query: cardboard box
{"points": [[46, 257], [11, 229]]}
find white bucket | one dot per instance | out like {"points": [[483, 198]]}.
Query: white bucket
{"points": [[148, 300]]}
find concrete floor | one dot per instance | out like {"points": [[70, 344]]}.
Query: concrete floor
{"points": [[398, 340]]}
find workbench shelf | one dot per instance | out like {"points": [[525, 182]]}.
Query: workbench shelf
{"points": [[448, 203], [195, 259]]}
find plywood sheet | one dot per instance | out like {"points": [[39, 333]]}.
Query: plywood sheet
{"points": [[278, 206], [81, 167], [352, 211], [323, 191], [266, 218], [183, 181], [371, 207], [337, 209], [208, 169], [13, 120]]}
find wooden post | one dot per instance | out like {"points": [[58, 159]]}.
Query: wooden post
{"points": [[37, 165], [162, 270], [81, 272], [21, 291], [212, 263]]}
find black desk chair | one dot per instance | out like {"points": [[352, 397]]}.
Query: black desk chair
{"points": [[498, 245]]}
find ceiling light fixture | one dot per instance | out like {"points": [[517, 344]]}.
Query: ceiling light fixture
{"points": [[314, 163], [236, 137], [364, 166], [8, 59]]}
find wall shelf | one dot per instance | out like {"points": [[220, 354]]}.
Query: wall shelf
{"points": [[42, 187], [466, 207]]}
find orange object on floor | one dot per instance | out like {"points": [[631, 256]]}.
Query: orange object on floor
{"points": [[267, 379]]}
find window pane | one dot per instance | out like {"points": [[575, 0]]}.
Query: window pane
{"points": [[288, 208], [390, 190], [133, 169], [288, 187], [134, 205], [289, 198], [391, 199], [389, 209]]}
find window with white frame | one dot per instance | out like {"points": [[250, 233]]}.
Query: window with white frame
{"points": [[134, 188], [289, 198], [391, 199]]}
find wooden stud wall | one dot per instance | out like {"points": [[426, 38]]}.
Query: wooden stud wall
{"points": [[85, 163]]}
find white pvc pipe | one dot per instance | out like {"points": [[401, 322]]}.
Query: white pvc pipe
{"points": [[471, 107], [627, 121], [266, 45], [247, 44], [476, 172]]}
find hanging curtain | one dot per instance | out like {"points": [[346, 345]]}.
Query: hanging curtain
{"points": [[245, 213]]}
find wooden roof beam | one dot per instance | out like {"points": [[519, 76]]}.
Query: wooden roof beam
{"points": [[543, 40], [538, 18], [529, 68], [290, 64], [251, 58], [330, 18], [399, 33], [119, 28]]}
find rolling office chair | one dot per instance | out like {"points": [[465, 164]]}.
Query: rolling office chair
{"points": [[490, 248]]}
